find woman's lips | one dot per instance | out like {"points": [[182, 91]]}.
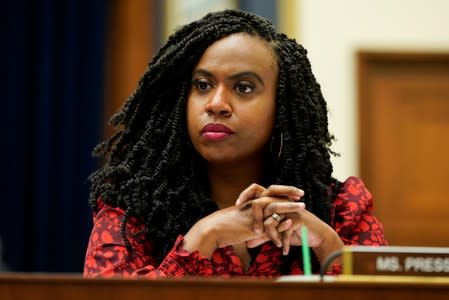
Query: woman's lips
{"points": [[214, 131]]}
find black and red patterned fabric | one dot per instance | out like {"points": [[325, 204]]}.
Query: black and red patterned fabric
{"points": [[107, 256]]}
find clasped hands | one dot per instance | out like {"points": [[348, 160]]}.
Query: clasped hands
{"points": [[250, 221], [277, 215], [282, 201]]}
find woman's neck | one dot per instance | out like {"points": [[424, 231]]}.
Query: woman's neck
{"points": [[227, 181]]}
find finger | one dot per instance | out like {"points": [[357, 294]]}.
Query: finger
{"points": [[257, 241], [258, 213], [282, 207], [284, 225], [287, 191], [252, 192], [286, 237], [270, 229]]}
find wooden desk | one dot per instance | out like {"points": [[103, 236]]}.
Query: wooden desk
{"points": [[60, 287]]}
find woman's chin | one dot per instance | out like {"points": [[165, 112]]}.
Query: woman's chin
{"points": [[219, 159]]}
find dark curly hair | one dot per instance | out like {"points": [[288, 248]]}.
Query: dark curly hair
{"points": [[152, 171]]}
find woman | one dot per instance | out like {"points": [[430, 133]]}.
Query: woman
{"points": [[221, 155]]}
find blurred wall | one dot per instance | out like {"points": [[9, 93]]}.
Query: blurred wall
{"points": [[178, 13], [333, 31]]}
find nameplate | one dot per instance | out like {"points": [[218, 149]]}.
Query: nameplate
{"points": [[395, 260]]}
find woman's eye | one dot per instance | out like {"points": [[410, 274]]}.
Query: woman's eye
{"points": [[202, 85], [244, 88]]}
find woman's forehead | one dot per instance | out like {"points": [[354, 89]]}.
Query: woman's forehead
{"points": [[242, 50]]}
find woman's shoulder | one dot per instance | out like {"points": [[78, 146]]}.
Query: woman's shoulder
{"points": [[104, 209], [352, 194], [353, 185], [115, 215]]}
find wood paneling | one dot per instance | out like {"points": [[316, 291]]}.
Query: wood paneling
{"points": [[404, 143], [130, 46], [63, 287]]}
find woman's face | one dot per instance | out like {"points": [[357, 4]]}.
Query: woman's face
{"points": [[231, 103]]}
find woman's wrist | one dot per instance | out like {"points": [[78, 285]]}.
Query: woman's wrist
{"points": [[330, 244], [201, 238]]}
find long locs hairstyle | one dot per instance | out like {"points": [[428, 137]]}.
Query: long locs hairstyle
{"points": [[152, 172]]}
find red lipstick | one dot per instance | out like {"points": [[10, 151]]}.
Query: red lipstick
{"points": [[215, 131]]}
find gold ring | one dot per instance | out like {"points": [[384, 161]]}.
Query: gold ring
{"points": [[276, 217]]}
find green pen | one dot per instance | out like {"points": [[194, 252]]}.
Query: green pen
{"points": [[305, 251]]}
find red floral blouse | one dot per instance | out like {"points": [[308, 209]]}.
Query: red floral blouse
{"points": [[107, 256]]}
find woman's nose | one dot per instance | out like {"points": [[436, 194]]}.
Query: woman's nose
{"points": [[219, 103]]}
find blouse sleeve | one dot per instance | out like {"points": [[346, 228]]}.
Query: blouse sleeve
{"points": [[352, 215], [107, 255]]}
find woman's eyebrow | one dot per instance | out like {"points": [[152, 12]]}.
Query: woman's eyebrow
{"points": [[205, 73], [247, 74], [202, 72]]}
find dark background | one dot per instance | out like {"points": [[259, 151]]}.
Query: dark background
{"points": [[51, 99]]}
